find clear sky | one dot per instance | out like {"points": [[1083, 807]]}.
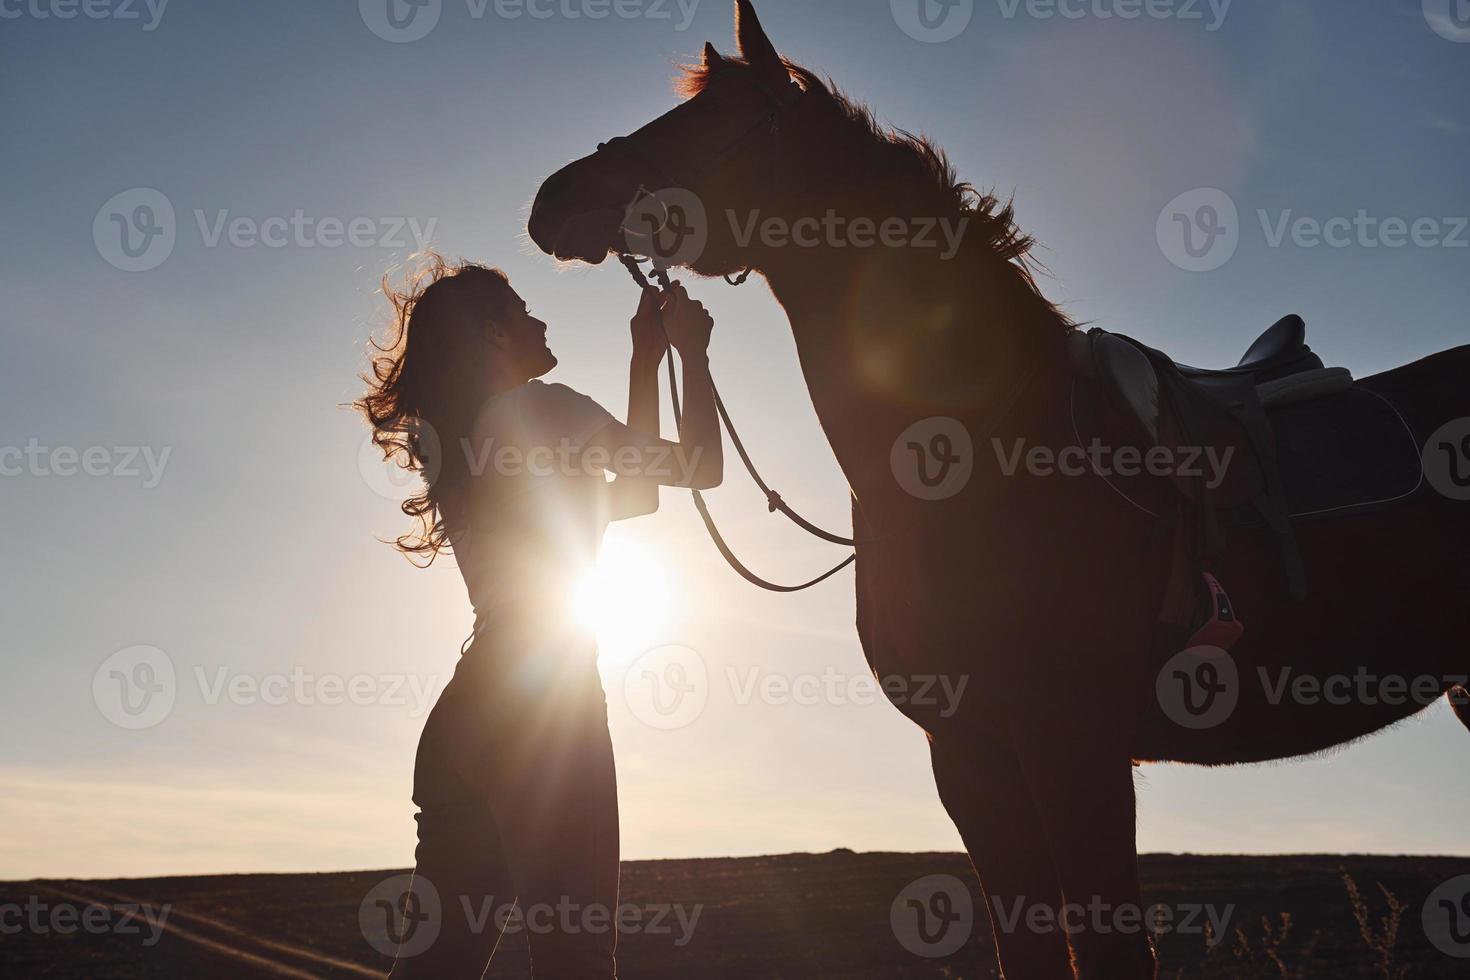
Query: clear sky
{"points": [[254, 554]]}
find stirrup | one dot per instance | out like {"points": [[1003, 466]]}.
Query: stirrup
{"points": [[1222, 629]]}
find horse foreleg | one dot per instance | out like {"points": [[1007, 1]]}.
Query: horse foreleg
{"points": [[1460, 701], [982, 788], [1083, 789]]}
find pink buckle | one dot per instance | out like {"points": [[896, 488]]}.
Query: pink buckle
{"points": [[1222, 630]]}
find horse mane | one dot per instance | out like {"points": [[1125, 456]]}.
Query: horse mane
{"points": [[910, 160]]}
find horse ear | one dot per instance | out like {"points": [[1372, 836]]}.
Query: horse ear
{"points": [[755, 47], [712, 58]]}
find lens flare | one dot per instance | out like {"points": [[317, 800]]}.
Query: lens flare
{"points": [[626, 599]]}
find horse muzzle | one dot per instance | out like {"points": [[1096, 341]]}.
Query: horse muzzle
{"points": [[570, 224]]}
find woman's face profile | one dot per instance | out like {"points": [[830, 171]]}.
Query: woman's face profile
{"points": [[520, 339]]}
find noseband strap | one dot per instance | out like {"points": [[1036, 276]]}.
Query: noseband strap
{"points": [[769, 122]]}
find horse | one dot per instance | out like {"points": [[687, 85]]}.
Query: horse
{"points": [[1041, 591]]}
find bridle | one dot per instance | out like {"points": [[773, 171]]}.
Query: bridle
{"points": [[779, 101], [767, 123]]}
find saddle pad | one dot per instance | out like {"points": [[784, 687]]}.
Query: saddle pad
{"points": [[1345, 453]]}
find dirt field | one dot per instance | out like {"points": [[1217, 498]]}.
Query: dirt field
{"points": [[838, 915]]}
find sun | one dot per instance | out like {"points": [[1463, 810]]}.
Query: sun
{"points": [[626, 598]]}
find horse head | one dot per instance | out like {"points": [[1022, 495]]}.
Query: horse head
{"points": [[653, 191]]}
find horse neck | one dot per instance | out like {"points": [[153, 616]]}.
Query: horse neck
{"points": [[862, 409]]}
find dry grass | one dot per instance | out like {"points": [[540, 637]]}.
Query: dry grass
{"points": [[1267, 953]]}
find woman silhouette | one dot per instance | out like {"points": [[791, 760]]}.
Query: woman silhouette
{"points": [[514, 778]]}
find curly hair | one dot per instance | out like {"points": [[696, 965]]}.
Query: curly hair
{"points": [[424, 391]]}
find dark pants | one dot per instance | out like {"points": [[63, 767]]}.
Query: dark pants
{"points": [[517, 800]]}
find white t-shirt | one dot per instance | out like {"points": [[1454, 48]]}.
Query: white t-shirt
{"points": [[536, 512]]}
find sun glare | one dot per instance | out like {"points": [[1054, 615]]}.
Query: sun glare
{"points": [[626, 599]]}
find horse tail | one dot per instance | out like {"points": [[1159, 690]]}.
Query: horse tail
{"points": [[1460, 701]]}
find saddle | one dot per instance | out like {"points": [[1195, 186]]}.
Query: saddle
{"points": [[1136, 396]]}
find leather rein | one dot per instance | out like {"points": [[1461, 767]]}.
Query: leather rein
{"points": [[768, 123], [773, 499]]}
